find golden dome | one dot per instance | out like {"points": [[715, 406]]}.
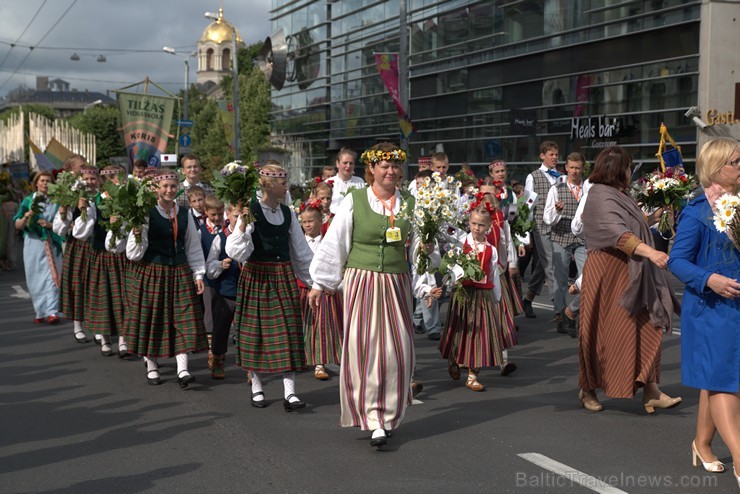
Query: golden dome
{"points": [[220, 31]]}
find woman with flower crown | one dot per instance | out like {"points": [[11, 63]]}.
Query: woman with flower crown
{"points": [[269, 240], [365, 250]]}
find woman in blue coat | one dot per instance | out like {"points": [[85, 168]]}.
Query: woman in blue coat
{"points": [[708, 263]]}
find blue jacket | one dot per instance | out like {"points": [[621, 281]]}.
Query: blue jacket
{"points": [[710, 324]]}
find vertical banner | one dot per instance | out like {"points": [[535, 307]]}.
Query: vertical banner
{"points": [[582, 86], [226, 109], [145, 123], [387, 64]]}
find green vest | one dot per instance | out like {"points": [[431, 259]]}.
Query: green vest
{"points": [[370, 250], [162, 249]]}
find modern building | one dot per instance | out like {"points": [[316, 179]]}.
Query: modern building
{"points": [[490, 79]]}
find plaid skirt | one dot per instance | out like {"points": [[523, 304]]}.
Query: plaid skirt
{"points": [[268, 319], [164, 317], [75, 279], [322, 329], [505, 312], [472, 337], [104, 310]]}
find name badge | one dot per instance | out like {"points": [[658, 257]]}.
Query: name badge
{"points": [[393, 235]]}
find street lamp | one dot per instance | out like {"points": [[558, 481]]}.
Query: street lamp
{"points": [[88, 106], [186, 59], [234, 57]]}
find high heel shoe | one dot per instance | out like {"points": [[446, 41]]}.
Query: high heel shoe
{"points": [[715, 466], [292, 405], [589, 401], [663, 403]]}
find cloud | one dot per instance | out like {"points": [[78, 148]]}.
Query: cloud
{"points": [[92, 25]]}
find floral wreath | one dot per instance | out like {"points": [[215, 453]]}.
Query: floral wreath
{"points": [[315, 204], [496, 162], [272, 174], [110, 171], [167, 176], [89, 169], [375, 156]]}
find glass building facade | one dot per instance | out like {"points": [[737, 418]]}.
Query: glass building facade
{"points": [[489, 79]]}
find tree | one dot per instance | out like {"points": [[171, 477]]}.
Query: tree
{"points": [[42, 110], [102, 122]]}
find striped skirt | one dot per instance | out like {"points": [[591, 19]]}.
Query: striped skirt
{"points": [[164, 316], [268, 319], [104, 312], [616, 351], [378, 350], [75, 279], [472, 337], [510, 295], [504, 312], [322, 329]]}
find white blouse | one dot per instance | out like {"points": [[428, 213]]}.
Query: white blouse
{"points": [[239, 246], [60, 225], [193, 249], [493, 268]]}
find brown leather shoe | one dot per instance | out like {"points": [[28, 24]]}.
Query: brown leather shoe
{"points": [[454, 370], [320, 373], [472, 382], [589, 401]]}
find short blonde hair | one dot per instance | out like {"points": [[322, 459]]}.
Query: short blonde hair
{"points": [[713, 156]]}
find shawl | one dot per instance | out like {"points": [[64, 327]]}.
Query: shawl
{"points": [[611, 214]]}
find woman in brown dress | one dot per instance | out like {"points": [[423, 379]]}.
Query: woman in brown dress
{"points": [[626, 302]]}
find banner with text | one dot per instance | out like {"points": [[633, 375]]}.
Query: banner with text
{"points": [[145, 123], [387, 64]]}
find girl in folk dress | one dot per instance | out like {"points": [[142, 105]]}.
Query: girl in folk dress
{"points": [[471, 337], [104, 307], [365, 251], [321, 192], [42, 251], [268, 309], [323, 329], [75, 266], [166, 319]]}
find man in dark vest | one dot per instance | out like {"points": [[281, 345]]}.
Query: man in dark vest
{"points": [[560, 208], [539, 182]]}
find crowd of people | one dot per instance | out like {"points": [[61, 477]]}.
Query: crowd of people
{"points": [[333, 281]]}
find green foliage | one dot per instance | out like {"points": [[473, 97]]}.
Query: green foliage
{"points": [[127, 204], [235, 183], [38, 206], [43, 110], [469, 263], [68, 190], [102, 122], [522, 225]]}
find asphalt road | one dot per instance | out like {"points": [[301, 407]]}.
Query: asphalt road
{"points": [[74, 421]]}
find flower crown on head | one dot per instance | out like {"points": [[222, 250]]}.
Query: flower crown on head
{"points": [[273, 174], [110, 171], [375, 156], [496, 162], [315, 204], [89, 169]]}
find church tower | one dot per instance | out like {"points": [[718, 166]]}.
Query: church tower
{"points": [[215, 50]]}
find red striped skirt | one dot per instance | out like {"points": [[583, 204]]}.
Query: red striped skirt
{"points": [[322, 329], [616, 352], [104, 312], [75, 278], [378, 350]]}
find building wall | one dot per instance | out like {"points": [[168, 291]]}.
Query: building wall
{"points": [[479, 68]]}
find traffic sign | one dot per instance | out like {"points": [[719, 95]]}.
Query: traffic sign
{"points": [[184, 123], [186, 140]]}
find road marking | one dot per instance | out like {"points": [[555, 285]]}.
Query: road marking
{"points": [[676, 327], [570, 473], [20, 292]]}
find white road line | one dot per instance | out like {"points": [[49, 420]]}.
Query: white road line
{"points": [[570, 473], [20, 292]]}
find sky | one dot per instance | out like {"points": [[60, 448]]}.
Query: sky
{"points": [[91, 27]]}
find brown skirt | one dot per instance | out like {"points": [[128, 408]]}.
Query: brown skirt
{"points": [[617, 352]]}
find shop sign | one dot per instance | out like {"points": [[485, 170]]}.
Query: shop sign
{"points": [[601, 127]]}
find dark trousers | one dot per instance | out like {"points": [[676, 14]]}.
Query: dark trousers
{"points": [[222, 309]]}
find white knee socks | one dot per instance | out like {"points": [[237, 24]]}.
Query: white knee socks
{"points": [[182, 364], [289, 386], [256, 386]]}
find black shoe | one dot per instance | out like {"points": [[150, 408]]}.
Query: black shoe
{"points": [[433, 336], [388, 434], [569, 326], [291, 406], [82, 339], [97, 341], [528, 311], [185, 380], [416, 388], [508, 368], [106, 350], [418, 329], [123, 353], [377, 442], [261, 403], [153, 381]]}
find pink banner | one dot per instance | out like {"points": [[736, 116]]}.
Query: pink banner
{"points": [[582, 86], [387, 64]]}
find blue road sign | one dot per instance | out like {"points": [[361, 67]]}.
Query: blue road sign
{"points": [[186, 140], [184, 123]]}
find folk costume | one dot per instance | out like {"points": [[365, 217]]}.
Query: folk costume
{"points": [[378, 346], [104, 311], [42, 259], [268, 309], [471, 337], [322, 326], [75, 271], [222, 283], [166, 319]]}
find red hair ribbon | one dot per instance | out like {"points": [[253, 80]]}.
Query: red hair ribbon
{"points": [[315, 204]]}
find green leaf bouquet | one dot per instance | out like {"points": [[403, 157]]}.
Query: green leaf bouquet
{"points": [[68, 190], [127, 204]]}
